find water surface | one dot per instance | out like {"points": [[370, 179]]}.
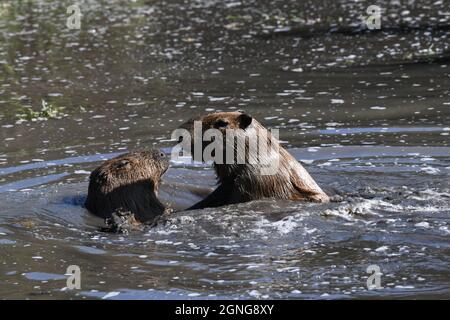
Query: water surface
{"points": [[368, 113]]}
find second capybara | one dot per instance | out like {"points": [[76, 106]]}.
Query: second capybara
{"points": [[128, 183], [242, 182]]}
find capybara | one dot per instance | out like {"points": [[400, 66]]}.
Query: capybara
{"points": [[128, 183], [242, 182]]}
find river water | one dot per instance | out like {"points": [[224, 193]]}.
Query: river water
{"points": [[367, 113]]}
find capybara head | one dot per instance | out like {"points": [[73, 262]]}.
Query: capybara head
{"points": [[128, 182], [230, 125]]}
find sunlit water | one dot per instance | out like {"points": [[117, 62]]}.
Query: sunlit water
{"points": [[367, 114]]}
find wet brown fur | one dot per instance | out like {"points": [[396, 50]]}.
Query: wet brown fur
{"points": [[243, 182], [130, 183]]}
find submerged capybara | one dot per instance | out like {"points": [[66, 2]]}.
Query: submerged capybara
{"points": [[128, 183], [242, 182]]}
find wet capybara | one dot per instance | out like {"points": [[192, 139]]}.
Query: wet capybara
{"points": [[128, 183], [242, 182]]}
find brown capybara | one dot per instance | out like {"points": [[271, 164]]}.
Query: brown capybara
{"points": [[128, 183], [242, 182]]}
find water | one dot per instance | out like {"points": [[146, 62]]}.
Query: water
{"points": [[367, 113]]}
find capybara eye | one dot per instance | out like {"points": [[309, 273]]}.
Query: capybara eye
{"points": [[221, 123]]}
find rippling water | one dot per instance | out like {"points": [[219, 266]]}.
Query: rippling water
{"points": [[367, 113]]}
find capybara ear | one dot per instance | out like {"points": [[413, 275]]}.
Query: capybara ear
{"points": [[244, 120]]}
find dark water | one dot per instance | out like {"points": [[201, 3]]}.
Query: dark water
{"points": [[367, 112]]}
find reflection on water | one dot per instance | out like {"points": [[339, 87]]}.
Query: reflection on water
{"points": [[368, 114]]}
